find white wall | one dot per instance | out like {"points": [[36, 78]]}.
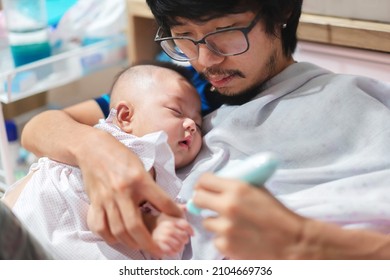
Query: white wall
{"points": [[372, 10], [346, 60]]}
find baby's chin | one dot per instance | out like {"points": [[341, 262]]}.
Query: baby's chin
{"points": [[181, 164]]}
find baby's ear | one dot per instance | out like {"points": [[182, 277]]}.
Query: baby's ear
{"points": [[124, 115]]}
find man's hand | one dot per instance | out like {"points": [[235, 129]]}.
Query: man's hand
{"points": [[251, 223], [117, 183]]}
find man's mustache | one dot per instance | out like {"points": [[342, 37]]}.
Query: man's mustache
{"points": [[209, 72]]}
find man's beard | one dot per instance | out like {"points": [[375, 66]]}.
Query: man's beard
{"points": [[239, 98]]}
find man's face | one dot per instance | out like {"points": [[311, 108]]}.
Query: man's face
{"points": [[235, 75]]}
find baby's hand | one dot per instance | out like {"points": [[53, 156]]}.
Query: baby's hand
{"points": [[171, 234]]}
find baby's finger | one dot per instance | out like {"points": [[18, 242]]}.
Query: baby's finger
{"points": [[184, 225], [175, 246], [181, 236]]}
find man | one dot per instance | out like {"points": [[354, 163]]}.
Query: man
{"points": [[331, 133]]}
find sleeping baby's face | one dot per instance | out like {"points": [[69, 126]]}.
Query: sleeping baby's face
{"points": [[172, 105]]}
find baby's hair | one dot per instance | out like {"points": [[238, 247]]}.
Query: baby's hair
{"points": [[181, 70]]}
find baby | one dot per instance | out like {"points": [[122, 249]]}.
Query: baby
{"points": [[155, 111]]}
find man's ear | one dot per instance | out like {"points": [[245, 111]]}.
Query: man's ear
{"points": [[124, 115]]}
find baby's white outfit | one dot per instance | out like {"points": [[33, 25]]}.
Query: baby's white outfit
{"points": [[54, 205]]}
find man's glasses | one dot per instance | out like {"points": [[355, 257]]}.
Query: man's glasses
{"points": [[225, 42]]}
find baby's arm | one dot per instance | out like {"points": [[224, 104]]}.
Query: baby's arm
{"points": [[169, 233]]}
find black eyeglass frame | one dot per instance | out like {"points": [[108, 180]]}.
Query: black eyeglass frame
{"points": [[244, 30]]}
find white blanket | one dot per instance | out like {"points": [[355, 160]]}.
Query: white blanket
{"points": [[332, 134]]}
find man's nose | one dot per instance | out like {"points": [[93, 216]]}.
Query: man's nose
{"points": [[208, 58]]}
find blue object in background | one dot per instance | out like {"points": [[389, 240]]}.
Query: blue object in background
{"points": [[12, 130], [56, 9], [27, 53], [21, 82]]}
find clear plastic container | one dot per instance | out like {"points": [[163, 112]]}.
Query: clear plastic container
{"points": [[27, 27], [59, 69]]}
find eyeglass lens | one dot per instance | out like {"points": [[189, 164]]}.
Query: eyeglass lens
{"points": [[229, 42]]}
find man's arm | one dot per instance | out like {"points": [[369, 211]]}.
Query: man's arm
{"points": [[252, 224], [114, 177], [321, 240], [47, 134]]}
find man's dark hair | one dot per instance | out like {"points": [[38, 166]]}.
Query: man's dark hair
{"points": [[274, 13]]}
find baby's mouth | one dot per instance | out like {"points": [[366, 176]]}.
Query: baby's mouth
{"points": [[186, 142]]}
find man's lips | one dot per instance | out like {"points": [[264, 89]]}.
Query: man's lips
{"points": [[220, 81]]}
